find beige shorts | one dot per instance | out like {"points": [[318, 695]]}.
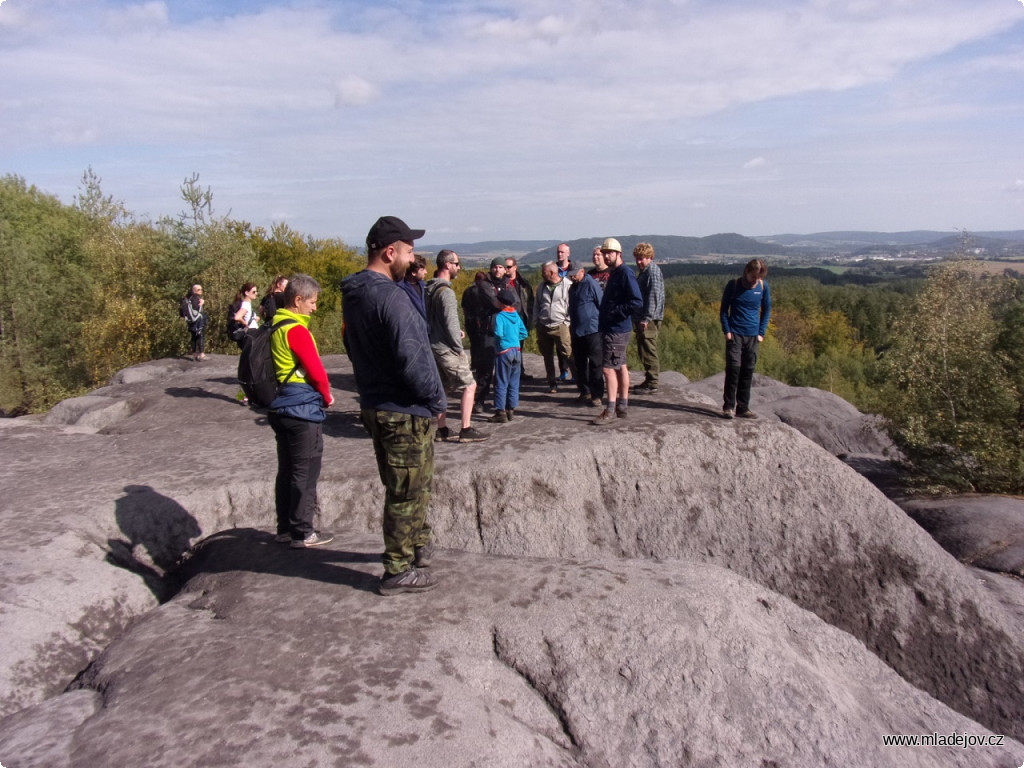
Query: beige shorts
{"points": [[453, 367]]}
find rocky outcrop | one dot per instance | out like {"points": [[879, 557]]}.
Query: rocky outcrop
{"points": [[673, 590], [983, 531]]}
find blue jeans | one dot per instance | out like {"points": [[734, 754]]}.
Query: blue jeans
{"points": [[506, 379]]}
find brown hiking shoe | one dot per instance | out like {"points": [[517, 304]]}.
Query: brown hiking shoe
{"points": [[606, 418], [424, 555]]}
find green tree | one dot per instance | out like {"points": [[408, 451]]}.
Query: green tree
{"points": [[952, 401], [42, 279]]}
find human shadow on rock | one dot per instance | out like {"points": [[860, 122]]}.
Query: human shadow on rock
{"points": [[645, 402], [248, 549], [158, 532], [343, 381], [198, 392], [344, 424]]}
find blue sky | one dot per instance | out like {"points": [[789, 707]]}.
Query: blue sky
{"points": [[530, 119]]}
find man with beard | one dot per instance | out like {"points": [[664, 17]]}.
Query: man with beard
{"points": [[620, 302], [400, 393]]}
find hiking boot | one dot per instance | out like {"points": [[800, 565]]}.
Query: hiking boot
{"points": [[424, 555], [552, 388], [509, 413], [597, 402], [470, 435], [442, 435], [747, 414], [315, 539], [499, 417], [621, 411], [604, 419], [646, 389], [582, 399], [728, 413], [412, 580]]}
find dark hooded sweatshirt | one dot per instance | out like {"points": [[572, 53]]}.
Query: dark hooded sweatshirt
{"points": [[386, 339]]}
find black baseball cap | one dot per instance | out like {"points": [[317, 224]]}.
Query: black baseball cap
{"points": [[388, 230]]}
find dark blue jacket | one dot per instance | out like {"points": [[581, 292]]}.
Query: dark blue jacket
{"points": [[621, 301], [300, 401], [418, 294], [386, 339], [745, 309], [584, 306]]}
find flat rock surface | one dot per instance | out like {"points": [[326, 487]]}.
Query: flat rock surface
{"points": [[591, 575], [510, 662]]}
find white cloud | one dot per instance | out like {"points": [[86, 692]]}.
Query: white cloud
{"points": [[510, 102], [135, 18], [353, 90]]}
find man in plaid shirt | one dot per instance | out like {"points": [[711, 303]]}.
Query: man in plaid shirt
{"points": [[648, 321]]}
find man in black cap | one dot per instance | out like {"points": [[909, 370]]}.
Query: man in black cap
{"points": [[400, 393]]}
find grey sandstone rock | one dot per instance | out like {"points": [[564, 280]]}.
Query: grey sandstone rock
{"points": [[580, 564], [983, 531], [511, 662]]}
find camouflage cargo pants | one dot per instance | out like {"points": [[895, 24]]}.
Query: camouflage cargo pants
{"points": [[404, 446]]}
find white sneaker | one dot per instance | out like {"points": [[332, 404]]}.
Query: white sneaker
{"points": [[315, 539]]}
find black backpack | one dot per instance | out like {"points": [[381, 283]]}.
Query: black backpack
{"points": [[183, 306], [235, 330], [256, 365]]}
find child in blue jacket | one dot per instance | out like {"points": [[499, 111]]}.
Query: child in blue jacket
{"points": [[509, 333]]}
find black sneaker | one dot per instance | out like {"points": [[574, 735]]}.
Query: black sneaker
{"points": [[412, 580], [443, 435], [470, 435], [424, 555]]}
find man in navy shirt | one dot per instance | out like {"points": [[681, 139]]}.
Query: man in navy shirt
{"points": [[584, 306], [400, 393], [621, 301], [745, 312]]}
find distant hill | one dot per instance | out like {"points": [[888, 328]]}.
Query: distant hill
{"points": [[721, 247], [854, 240], [668, 247], [489, 247]]}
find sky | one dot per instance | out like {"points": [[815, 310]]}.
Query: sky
{"points": [[527, 119]]}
